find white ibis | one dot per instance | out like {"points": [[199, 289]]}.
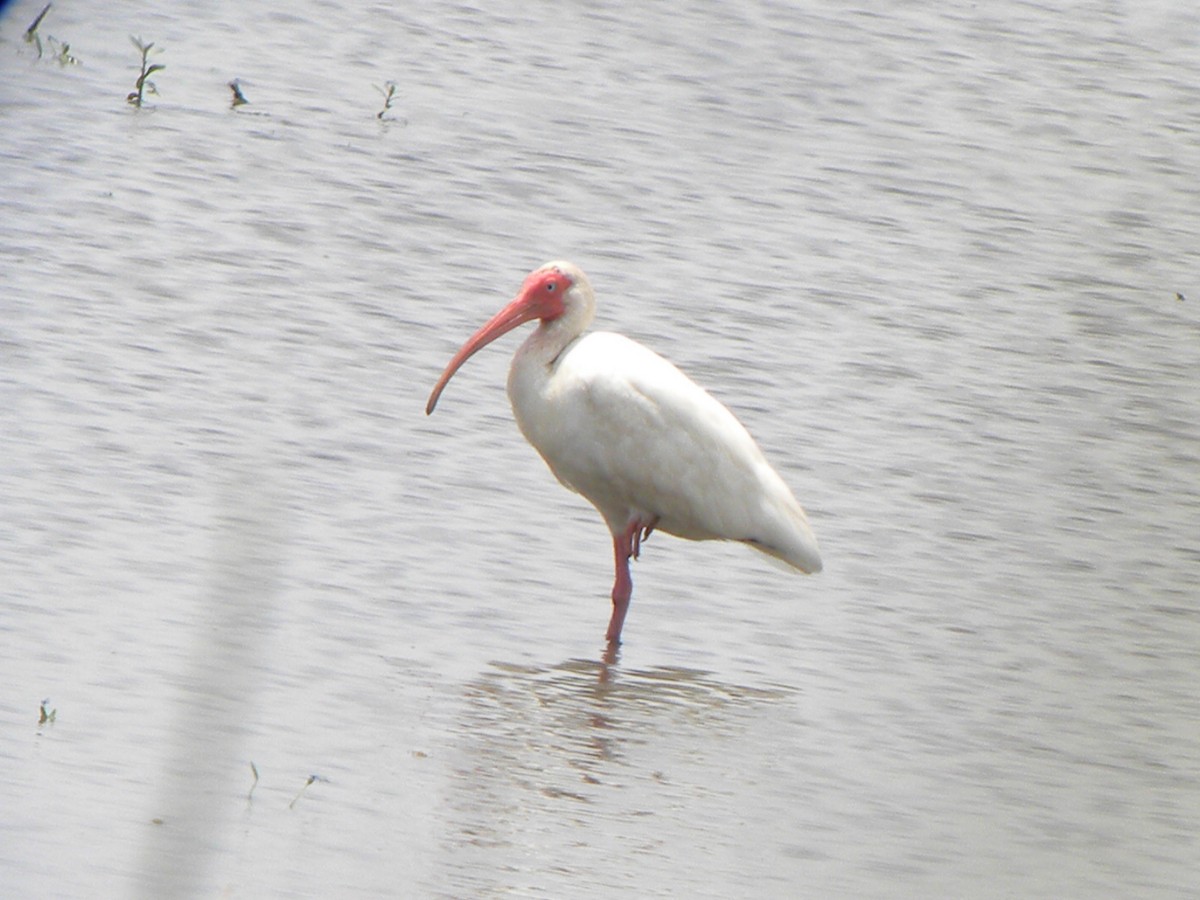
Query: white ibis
{"points": [[648, 447]]}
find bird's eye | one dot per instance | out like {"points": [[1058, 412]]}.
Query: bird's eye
{"points": [[551, 286]]}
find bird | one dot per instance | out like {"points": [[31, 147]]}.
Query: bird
{"points": [[649, 448]]}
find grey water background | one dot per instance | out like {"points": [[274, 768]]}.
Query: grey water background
{"points": [[930, 254]]}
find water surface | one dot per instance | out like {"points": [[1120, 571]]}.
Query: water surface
{"points": [[930, 258]]}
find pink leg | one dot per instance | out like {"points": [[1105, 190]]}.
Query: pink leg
{"points": [[626, 545]]}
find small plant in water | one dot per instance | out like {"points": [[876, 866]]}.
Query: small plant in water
{"points": [[63, 56], [239, 99], [389, 94], [144, 85], [311, 779], [31, 33], [253, 784]]}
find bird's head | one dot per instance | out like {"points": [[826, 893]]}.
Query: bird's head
{"points": [[557, 293], [543, 293]]}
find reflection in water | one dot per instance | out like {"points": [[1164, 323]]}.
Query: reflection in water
{"points": [[578, 716], [550, 751]]}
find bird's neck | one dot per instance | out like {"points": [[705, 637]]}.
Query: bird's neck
{"points": [[531, 374], [543, 348]]}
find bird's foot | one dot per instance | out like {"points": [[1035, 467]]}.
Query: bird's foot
{"points": [[641, 531]]}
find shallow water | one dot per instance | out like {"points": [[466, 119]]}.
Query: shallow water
{"points": [[931, 259]]}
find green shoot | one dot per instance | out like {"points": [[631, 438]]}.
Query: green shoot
{"points": [[143, 82], [389, 93]]}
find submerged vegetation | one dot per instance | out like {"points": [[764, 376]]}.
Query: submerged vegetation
{"points": [[143, 83]]}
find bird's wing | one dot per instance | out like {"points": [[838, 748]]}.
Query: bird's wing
{"points": [[635, 435]]}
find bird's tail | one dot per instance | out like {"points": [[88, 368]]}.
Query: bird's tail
{"points": [[792, 541]]}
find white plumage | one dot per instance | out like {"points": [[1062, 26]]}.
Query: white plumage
{"points": [[629, 431]]}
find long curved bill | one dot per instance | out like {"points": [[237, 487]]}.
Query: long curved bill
{"points": [[516, 313]]}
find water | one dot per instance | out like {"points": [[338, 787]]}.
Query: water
{"points": [[931, 259]]}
